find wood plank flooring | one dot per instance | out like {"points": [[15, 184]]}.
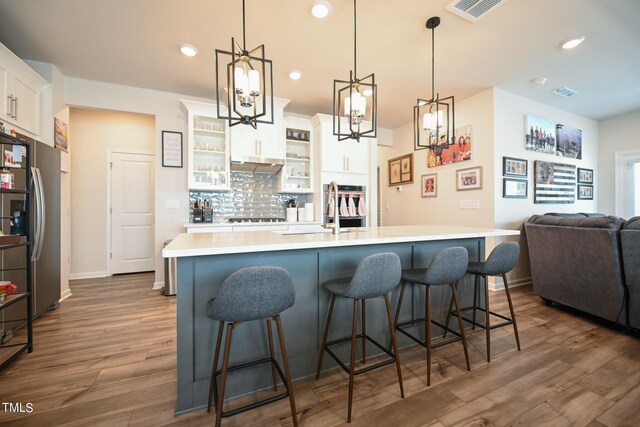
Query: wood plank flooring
{"points": [[107, 357]]}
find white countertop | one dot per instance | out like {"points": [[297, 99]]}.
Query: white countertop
{"points": [[244, 224], [196, 244]]}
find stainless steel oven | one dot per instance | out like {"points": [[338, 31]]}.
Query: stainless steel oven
{"points": [[352, 205]]}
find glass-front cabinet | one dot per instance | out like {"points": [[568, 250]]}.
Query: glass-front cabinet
{"points": [[297, 173], [208, 148]]}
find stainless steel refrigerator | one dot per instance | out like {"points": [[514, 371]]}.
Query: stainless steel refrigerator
{"points": [[44, 233]]}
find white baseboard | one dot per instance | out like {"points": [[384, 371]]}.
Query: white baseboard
{"points": [[158, 286], [66, 294], [88, 275], [496, 283]]}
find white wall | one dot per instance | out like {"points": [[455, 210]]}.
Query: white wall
{"points": [[614, 135], [93, 134], [408, 207], [170, 183], [509, 125]]}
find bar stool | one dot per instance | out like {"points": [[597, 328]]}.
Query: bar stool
{"points": [[447, 268], [501, 260], [375, 277], [252, 293]]}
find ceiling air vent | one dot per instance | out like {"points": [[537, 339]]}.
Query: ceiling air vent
{"points": [[564, 92], [473, 10]]}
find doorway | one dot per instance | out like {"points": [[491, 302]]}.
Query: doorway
{"points": [[628, 183], [131, 212]]}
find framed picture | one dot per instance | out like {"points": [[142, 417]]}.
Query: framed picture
{"points": [[540, 135], [430, 185], [585, 192], [554, 182], [469, 178], [171, 149], [585, 176], [514, 167], [454, 151], [569, 142], [401, 170], [60, 133], [514, 188]]}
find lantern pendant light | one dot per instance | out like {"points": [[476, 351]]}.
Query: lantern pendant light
{"points": [[248, 80], [433, 119], [355, 102]]}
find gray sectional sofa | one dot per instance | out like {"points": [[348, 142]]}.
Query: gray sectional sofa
{"points": [[590, 262]]}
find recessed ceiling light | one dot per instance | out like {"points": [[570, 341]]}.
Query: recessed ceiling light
{"points": [[188, 50], [367, 92], [572, 42], [320, 9], [295, 75]]}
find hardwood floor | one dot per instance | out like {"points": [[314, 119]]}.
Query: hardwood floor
{"points": [[107, 357]]}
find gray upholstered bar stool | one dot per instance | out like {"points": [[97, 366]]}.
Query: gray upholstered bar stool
{"points": [[447, 268], [375, 276], [501, 260], [252, 293]]}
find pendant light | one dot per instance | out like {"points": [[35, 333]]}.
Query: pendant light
{"points": [[355, 109], [433, 119], [248, 80]]}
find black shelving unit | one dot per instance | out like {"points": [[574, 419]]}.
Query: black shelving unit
{"points": [[11, 347]]}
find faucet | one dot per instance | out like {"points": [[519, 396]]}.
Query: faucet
{"points": [[336, 212]]}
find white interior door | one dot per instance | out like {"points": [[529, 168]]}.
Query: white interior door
{"points": [[132, 233]]}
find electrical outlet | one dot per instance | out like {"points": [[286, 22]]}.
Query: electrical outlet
{"points": [[172, 204]]}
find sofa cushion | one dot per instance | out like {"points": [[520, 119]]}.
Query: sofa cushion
{"points": [[566, 215], [633, 223], [610, 222]]}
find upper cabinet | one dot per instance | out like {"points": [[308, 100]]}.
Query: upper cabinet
{"points": [[208, 148], [20, 88], [298, 172], [266, 141], [348, 156]]}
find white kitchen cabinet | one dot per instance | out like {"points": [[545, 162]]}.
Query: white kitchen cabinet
{"points": [[348, 156], [20, 88], [298, 171], [207, 148], [266, 141]]}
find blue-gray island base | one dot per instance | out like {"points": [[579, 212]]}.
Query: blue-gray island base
{"points": [[201, 276]]}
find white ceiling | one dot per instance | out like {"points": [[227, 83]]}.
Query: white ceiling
{"points": [[135, 42]]}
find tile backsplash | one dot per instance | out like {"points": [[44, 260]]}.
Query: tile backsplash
{"points": [[251, 195]]}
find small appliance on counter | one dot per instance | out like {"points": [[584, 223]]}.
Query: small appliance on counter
{"points": [[207, 211], [196, 211]]}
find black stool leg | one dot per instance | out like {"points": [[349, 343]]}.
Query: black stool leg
{"points": [[214, 367], [454, 289], [352, 365], [487, 317], [475, 299], [427, 332], [223, 380], [273, 368], [287, 373], [446, 323], [394, 344], [402, 286], [364, 330], [513, 313], [326, 334]]}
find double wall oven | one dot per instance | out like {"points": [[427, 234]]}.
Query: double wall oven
{"points": [[352, 206]]}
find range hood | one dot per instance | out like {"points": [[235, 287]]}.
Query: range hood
{"points": [[256, 164]]}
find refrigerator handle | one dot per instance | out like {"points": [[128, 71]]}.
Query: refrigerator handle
{"points": [[36, 219], [43, 215]]}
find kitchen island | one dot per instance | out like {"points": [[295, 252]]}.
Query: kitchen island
{"points": [[204, 260]]}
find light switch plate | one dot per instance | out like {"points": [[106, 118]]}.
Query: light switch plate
{"points": [[172, 204], [473, 204], [463, 204]]}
